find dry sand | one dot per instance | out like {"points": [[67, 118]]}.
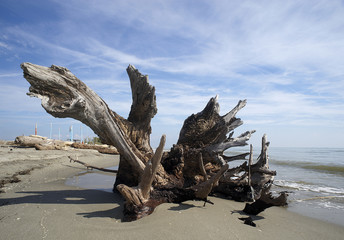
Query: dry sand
{"points": [[42, 206]]}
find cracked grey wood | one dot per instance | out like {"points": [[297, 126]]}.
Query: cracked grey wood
{"points": [[194, 167]]}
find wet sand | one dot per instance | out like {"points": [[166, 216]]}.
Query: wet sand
{"points": [[43, 206]]}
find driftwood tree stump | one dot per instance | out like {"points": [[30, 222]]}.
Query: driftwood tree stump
{"points": [[193, 168]]}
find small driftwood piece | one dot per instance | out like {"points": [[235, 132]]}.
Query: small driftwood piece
{"points": [[90, 166], [192, 169]]}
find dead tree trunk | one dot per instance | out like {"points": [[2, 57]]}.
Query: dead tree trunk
{"points": [[193, 168]]}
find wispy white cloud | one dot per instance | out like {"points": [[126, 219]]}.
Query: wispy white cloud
{"points": [[4, 45], [283, 108], [9, 75]]}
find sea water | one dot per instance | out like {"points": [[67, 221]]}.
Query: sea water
{"points": [[91, 179], [313, 178]]}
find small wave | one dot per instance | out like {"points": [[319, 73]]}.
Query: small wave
{"points": [[334, 169], [327, 168], [331, 205], [302, 186], [338, 150]]}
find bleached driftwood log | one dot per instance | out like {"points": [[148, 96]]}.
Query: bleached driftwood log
{"points": [[29, 141], [192, 169], [104, 148], [44, 143], [40, 143]]}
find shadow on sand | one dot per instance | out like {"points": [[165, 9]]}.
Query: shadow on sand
{"points": [[84, 196], [183, 206], [242, 213]]}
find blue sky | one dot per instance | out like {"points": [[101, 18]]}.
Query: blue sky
{"points": [[285, 57]]}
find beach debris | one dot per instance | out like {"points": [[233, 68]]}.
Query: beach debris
{"points": [[40, 143], [104, 148], [90, 167], [43, 143], [194, 167], [29, 141], [15, 177]]}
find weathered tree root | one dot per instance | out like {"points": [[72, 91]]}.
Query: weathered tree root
{"points": [[142, 200], [193, 168]]}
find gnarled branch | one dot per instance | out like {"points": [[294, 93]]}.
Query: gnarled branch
{"points": [[194, 167]]}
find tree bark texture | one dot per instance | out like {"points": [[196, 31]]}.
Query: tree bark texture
{"points": [[196, 166]]}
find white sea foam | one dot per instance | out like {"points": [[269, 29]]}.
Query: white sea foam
{"points": [[330, 205], [308, 187]]}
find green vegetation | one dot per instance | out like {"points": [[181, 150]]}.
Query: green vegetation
{"points": [[94, 140]]}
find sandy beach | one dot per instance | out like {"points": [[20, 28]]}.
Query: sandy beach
{"points": [[40, 205]]}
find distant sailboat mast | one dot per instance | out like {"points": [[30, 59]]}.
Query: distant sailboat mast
{"points": [[71, 133], [81, 140], [51, 130]]}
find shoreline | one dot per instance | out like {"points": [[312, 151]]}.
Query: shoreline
{"points": [[43, 206]]}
